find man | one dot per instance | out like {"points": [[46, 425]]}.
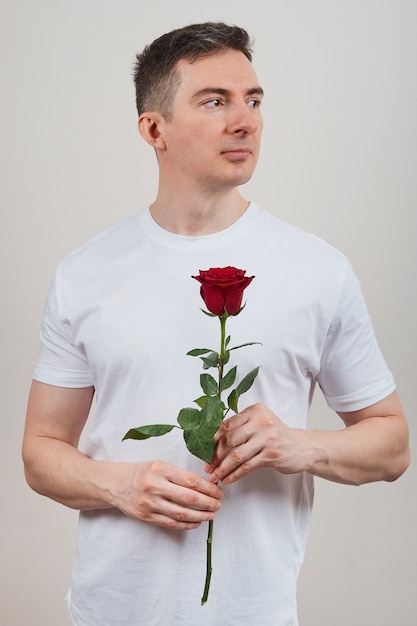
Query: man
{"points": [[121, 314]]}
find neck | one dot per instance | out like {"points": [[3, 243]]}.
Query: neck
{"points": [[198, 216]]}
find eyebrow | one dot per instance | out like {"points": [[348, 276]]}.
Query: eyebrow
{"points": [[209, 91]]}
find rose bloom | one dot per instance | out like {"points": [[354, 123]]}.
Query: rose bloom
{"points": [[222, 289]]}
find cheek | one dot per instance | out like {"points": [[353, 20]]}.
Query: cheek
{"points": [[187, 145], [193, 152]]}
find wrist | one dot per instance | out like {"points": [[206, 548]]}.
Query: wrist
{"points": [[111, 482]]}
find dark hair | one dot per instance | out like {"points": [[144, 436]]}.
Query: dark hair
{"points": [[155, 71]]}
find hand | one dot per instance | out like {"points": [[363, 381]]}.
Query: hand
{"points": [[168, 496], [255, 438]]}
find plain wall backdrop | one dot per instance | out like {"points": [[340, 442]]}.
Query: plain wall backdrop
{"points": [[339, 159]]}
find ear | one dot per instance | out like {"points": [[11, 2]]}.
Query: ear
{"points": [[150, 125]]}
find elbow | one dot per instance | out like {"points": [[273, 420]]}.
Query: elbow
{"points": [[399, 455], [399, 466], [30, 480], [29, 469], [28, 474]]}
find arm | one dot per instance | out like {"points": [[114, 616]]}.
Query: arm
{"points": [[155, 492], [373, 446]]}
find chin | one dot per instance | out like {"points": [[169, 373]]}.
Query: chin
{"points": [[242, 180], [241, 177]]}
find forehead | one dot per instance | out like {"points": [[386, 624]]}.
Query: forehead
{"points": [[228, 70]]}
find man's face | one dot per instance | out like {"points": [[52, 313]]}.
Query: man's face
{"points": [[213, 137]]}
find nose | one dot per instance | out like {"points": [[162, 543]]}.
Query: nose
{"points": [[244, 120]]}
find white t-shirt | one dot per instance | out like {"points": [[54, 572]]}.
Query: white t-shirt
{"points": [[121, 315]]}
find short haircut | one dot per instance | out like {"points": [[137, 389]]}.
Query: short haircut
{"points": [[155, 71]]}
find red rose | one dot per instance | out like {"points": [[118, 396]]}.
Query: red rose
{"points": [[222, 289]]}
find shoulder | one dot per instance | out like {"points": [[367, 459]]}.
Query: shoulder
{"points": [[105, 247], [297, 246]]}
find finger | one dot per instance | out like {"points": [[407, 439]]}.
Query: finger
{"points": [[241, 470], [165, 521], [173, 497], [176, 516], [241, 456], [176, 507], [237, 420], [230, 440], [160, 477], [195, 490], [189, 499]]}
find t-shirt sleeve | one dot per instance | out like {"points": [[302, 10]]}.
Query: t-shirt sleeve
{"points": [[353, 373], [60, 362]]}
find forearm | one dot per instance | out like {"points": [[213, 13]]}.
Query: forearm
{"points": [[373, 446], [370, 450], [59, 471], [151, 491]]}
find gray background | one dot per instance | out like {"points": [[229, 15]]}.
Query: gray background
{"points": [[339, 159]]}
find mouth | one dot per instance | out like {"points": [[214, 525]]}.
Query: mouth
{"points": [[237, 154]]}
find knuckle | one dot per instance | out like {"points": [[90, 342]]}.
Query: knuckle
{"points": [[224, 426], [265, 421], [193, 482], [228, 440], [236, 456], [171, 523], [144, 516], [180, 516], [247, 466], [155, 467], [259, 406], [146, 483], [274, 439], [190, 498]]}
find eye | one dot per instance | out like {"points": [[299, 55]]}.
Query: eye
{"points": [[254, 104], [213, 104]]}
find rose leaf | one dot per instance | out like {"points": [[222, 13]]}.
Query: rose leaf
{"points": [[150, 430], [212, 360], [232, 401], [198, 445], [198, 351], [247, 382], [228, 380], [189, 418], [208, 384], [211, 417]]}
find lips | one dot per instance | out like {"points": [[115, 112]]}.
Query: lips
{"points": [[237, 153]]}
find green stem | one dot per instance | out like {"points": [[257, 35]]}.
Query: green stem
{"points": [[209, 567], [222, 319]]}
